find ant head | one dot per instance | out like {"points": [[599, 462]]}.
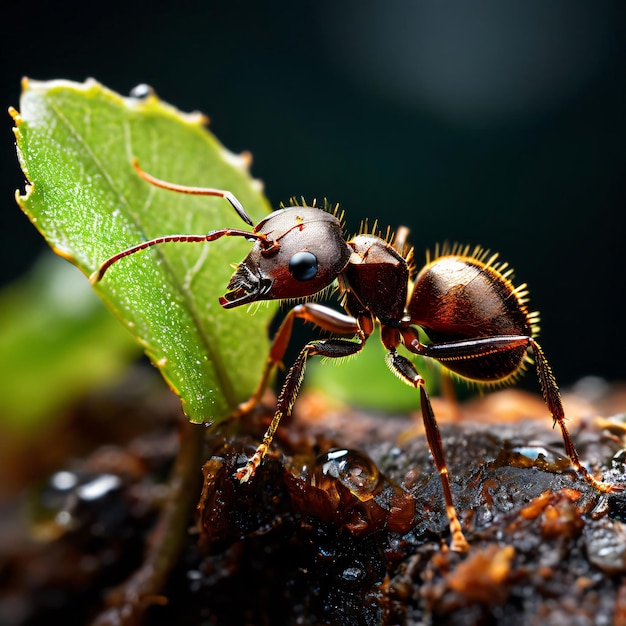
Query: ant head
{"points": [[298, 252]]}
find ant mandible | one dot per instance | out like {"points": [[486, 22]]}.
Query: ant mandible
{"points": [[477, 322]]}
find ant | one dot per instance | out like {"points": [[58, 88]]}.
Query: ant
{"points": [[477, 322]]}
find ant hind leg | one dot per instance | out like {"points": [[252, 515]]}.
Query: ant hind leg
{"points": [[405, 370]]}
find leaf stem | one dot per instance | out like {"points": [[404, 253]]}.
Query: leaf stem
{"points": [[128, 603]]}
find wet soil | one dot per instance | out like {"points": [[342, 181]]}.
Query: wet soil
{"points": [[127, 514]]}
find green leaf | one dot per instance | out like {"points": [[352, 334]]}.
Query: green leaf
{"points": [[364, 379], [76, 144], [57, 341]]}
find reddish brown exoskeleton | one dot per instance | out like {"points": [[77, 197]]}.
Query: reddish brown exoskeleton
{"points": [[476, 320]]}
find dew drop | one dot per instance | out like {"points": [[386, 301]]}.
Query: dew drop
{"points": [[99, 487], [141, 91], [353, 574], [354, 470], [64, 480]]}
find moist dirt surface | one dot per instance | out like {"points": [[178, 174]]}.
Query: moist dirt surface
{"points": [[126, 514]]}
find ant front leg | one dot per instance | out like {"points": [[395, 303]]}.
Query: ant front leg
{"points": [[323, 317]]}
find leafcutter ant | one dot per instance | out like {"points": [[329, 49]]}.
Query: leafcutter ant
{"points": [[477, 322]]}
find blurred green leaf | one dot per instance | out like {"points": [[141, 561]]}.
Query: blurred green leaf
{"points": [[57, 341], [365, 380], [76, 144]]}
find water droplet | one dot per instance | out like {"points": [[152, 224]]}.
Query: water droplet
{"points": [[531, 452], [353, 574], [357, 495], [606, 546], [354, 470], [141, 91], [64, 481], [63, 518], [99, 487]]}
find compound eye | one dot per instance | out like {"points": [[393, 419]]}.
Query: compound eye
{"points": [[303, 266]]}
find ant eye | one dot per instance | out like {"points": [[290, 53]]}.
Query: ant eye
{"points": [[303, 265]]}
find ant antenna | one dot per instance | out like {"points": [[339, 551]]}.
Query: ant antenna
{"points": [[196, 191], [210, 236]]}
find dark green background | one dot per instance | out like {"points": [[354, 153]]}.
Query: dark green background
{"points": [[467, 121]]}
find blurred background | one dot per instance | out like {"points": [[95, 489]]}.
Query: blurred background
{"points": [[500, 124]]}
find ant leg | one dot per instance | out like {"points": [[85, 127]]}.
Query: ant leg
{"points": [[322, 316], [405, 370], [331, 348], [552, 398], [489, 345]]}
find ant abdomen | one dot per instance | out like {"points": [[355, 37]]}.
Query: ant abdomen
{"points": [[460, 297]]}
